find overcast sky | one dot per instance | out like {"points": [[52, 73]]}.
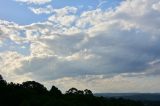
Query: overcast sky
{"points": [[102, 45]]}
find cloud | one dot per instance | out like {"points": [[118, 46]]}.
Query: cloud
{"points": [[50, 10], [34, 1], [47, 10], [116, 84], [109, 46], [101, 2], [10, 63], [156, 6]]}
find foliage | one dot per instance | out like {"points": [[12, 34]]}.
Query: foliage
{"points": [[31, 93]]}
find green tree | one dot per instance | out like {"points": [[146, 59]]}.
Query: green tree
{"points": [[88, 92], [72, 91], [54, 91], [34, 86]]}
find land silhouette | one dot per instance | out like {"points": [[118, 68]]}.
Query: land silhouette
{"points": [[32, 93]]}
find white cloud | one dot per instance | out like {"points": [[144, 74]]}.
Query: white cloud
{"points": [[156, 6], [34, 1], [63, 20], [63, 16], [122, 44], [10, 63], [49, 9], [66, 10]]}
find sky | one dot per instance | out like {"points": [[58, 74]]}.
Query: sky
{"points": [[101, 45]]}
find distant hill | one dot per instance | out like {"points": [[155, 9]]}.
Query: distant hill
{"points": [[133, 96], [148, 99]]}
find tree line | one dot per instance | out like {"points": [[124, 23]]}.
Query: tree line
{"points": [[32, 93]]}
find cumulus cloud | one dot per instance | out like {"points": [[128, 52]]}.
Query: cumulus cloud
{"points": [[34, 1], [107, 46], [10, 63], [49, 9]]}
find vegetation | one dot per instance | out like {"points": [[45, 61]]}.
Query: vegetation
{"points": [[31, 93]]}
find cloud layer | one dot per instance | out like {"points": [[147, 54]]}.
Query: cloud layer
{"points": [[95, 47]]}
